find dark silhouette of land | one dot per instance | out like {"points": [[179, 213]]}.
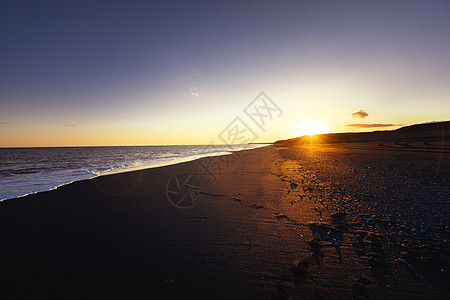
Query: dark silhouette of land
{"points": [[426, 137]]}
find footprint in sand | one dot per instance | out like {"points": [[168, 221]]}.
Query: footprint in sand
{"points": [[300, 271], [280, 216], [256, 206], [316, 250]]}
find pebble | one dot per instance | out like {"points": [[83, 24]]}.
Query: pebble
{"points": [[402, 261]]}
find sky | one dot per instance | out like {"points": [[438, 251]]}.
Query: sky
{"points": [[84, 73]]}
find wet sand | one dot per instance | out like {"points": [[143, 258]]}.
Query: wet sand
{"points": [[300, 222]]}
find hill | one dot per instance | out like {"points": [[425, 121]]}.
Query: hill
{"points": [[423, 132]]}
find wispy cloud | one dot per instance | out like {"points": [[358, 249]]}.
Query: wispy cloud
{"points": [[371, 125], [5, 123], [194, 92], [360, 114], [72, 124]]}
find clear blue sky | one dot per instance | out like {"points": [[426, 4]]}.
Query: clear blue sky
{"points": [[177, 72]]}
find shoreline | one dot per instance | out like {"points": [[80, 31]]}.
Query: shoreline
{"points": [[132, 169]]}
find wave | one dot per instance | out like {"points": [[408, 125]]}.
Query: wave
{"points": [[39, 170]]}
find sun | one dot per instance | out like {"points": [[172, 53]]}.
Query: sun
{"points": [[311, 127]]}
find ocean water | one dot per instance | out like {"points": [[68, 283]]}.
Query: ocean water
{"points": [[29, 170]]}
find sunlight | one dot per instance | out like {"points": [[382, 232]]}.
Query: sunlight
{"points": [[311, 127]]}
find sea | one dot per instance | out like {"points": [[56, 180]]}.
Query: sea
{"points": [[26, 171]]}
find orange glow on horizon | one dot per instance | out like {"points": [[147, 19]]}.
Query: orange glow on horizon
{"points": [[311, 127]]}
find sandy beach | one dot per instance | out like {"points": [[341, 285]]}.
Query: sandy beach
{"points": [[281, 222]]}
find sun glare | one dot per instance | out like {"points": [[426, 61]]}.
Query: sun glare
{"points": [[311, 127]]}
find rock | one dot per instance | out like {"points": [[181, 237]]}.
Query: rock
{"points": [[402, 261]]}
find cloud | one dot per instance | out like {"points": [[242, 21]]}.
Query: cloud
{"points": [[360, 114], [5, 123], [72, 124], [371, 125], [194, 92]]}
